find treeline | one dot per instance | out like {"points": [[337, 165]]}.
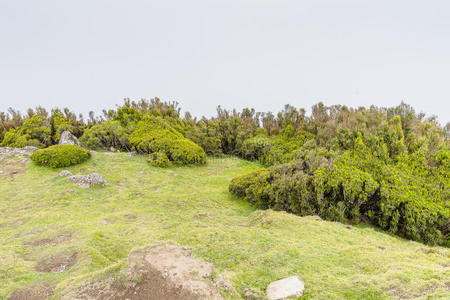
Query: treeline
{"points": [[385, 166]]}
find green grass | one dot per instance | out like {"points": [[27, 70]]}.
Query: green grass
{"points": [[192, 206]]}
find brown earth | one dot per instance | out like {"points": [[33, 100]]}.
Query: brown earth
{"points": [[57, 263], [37, 292], [163, 271], [63, 237]]}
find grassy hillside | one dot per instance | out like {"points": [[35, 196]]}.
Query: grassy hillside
{"points": [[43, 216]]}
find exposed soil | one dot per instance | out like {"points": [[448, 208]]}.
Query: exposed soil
{"points": [[57, 263], [12, 169], [130, 217], [37, 292], [163, 272], [63, 237]]}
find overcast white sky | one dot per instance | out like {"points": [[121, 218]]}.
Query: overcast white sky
{"points": [[90, 54]]}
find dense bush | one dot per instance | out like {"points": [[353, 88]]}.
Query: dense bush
{"points": [[156, 134], [59, 156], [159, 159], [401, 194], [34, 131], [107, 134], [276, 149], [204, 134]]}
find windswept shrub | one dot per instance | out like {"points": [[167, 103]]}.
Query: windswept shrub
{"points": [[59, 156], [204, 135], [404, 197], [276, 149], [34, 131], [159, 159], [155, 134], [106, 135]]}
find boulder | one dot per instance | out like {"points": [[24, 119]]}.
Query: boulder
{"points": [[68, 139], [86, 181], [287, 287], [65, 173]]}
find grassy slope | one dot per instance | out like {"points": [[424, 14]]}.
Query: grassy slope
{"points": [[193, 207]]}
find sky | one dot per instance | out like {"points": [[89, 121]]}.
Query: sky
{"points": [[90, 54]]}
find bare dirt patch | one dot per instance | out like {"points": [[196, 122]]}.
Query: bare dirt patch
{"points": [[37, 292], [12, 168], [63, 237], [130, 217], [57, 263], [162, 271]]}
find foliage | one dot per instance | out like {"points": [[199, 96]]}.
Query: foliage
{"points": [[159, 159], [34, 132], [156, 134], [276, 149], [107, 134], [401, 194], [204, 134], [59, 156]]}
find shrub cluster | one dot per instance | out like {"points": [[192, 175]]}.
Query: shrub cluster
{"points": [[159, 159], [156, 134], [107, 134], [404, 196], [59, 156], [275, 149]]}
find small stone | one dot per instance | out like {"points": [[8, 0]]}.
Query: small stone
{"points": [[105, 222], [286, 287], [132, 154], [64, 173]]}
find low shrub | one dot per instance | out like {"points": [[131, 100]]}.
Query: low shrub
{"points": [[155, 134], [106, 135], [159, 159], [276, 149], [35, 131], [355, 185], [59, 156]]}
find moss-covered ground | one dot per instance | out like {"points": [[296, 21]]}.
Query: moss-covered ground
{"points": [[42, 215]]}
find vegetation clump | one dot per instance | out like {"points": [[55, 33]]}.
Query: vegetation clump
{"points": [[155, 134], [159, 159], [59, 156]]}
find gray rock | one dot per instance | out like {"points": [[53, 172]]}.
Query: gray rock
{"points": [[134, 153], [286, 287], [30, 148], [64, 173], [68, 139], [86, 181]]}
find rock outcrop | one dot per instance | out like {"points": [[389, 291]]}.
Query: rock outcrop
{"points": [[286, 287], [64, 173], [68, 139], [87, 181]]}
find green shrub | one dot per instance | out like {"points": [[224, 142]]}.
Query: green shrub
{"points": [[59, 156], [106, 135], [159, 159], [276, 149], [404, 196], [205, 135], [35, 131], [155, 134]]}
